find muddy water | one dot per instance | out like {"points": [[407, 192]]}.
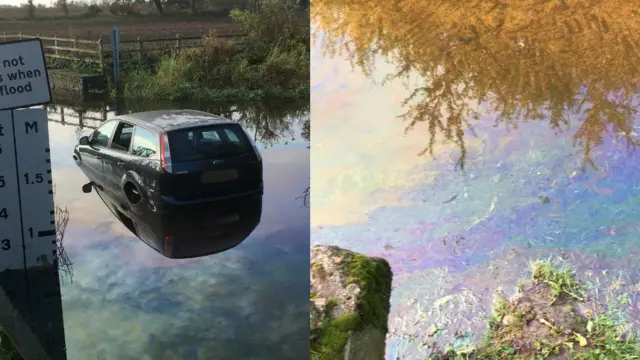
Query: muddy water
{"points": [[520, 145], [126, 301]]}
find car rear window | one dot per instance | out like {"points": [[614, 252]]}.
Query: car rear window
{"points": [[217, 141]]}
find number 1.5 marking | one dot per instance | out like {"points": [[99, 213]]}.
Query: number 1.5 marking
{"points": [[39, 179]]}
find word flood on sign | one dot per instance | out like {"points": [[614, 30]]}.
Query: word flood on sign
{"points": [[27, 217], [24, 80]]}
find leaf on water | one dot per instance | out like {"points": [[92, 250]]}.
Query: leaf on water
{"points": [[544, 321], [442, 300], [434, 330], [466, 350], [581, 339]]}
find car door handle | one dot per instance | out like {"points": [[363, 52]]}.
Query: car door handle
{"points": [[121, 164]]}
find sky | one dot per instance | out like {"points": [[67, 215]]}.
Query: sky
{"points": [[18, 2]]}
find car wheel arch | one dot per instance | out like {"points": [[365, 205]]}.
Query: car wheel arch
{"points": [[129, 180]]}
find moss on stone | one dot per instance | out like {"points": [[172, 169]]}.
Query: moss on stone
{"points": [[334, 336], [331, 303], [312, 295], [318, 271], [373, 276]]}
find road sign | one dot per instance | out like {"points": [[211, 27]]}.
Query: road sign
{"points": [[28, 260], [23, 75]]}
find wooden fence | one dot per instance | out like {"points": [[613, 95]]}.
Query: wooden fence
{"points": [[100, 52], [81, 119]]}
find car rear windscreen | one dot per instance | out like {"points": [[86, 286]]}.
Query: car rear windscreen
{"points": [[208, 142]]}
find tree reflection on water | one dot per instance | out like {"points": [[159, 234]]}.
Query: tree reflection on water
{"points": [[524, 60], [269, 124]]}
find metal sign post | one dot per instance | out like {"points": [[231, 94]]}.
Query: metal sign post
{"points": [[115, 44], [30, 301]]}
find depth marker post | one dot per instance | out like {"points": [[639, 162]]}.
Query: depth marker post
{"points": [[30, 301]]}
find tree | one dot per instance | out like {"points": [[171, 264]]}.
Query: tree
{"points": [[31, 9], [62, 4], [94, 10], [159, 7]]}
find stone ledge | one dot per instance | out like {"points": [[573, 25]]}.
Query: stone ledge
{"points": [[349, 304]]}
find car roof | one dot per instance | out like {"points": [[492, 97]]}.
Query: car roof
{"points": [[168, 120]]}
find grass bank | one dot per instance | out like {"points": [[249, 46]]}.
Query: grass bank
{"points": [[271, 62], [548, 319]]}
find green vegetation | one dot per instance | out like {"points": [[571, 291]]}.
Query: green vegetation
{"points": [[334, 336], [374, 277], [545, 322], [272, 62], [7, 350]]}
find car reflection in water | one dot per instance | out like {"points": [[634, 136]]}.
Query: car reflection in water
{"points": [[197, 230]]}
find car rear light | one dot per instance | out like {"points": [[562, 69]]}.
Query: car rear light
{"points": [[165, 153]]}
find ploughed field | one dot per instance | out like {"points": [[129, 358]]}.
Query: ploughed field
{"points": [[130, 27]]}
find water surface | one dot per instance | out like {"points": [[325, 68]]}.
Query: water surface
{"points": [[519, 144], [126, 301]]}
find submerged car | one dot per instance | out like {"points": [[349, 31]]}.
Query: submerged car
{"points": [[186, 182], [163, 160]]}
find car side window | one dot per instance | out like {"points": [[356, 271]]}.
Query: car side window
{"points": [[102, 135], [232, 136], [211, 135], [145, 143], [122, 137]]}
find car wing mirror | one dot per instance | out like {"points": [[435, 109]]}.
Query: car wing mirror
{"points": [[84, 140]]}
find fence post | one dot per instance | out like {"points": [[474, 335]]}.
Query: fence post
{"points": [[100, 56], [20, 35], [140, 48], [5, 36], [177, 44], [75, 42], [55, 44], [46, 58]]}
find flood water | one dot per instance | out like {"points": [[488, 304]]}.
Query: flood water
{"points": [[126, 301], [520, 144]]}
